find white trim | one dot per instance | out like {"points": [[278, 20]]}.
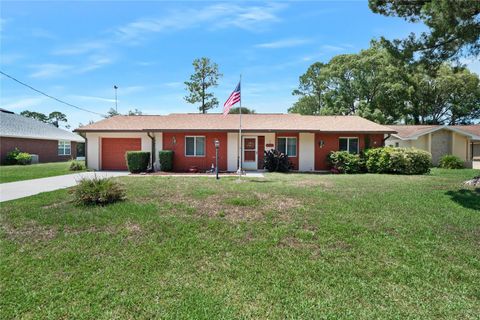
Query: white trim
{"points": [[348, 144], [286, 145], [80, 139], [195, 147], [64, 143]]}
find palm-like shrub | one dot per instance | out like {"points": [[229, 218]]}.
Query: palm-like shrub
{"points": [[98, 191], [275, 161]]}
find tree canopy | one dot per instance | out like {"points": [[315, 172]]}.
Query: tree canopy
{"points": [[454, 28], [378, 86], [55, 117], [205, 76], [245, 110]]}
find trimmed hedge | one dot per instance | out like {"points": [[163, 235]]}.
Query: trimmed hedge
{"points": [[166, 160], [450, 161], [382, 160], [398, 160], [137, 161], [345, 162]]}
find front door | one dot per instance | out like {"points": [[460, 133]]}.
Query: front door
{"points": [[249, 158]]}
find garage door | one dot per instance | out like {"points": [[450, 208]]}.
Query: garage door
{"points": [[113, 152]]}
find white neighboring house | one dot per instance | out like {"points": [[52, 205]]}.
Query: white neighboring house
{"points": [[462, 141]]}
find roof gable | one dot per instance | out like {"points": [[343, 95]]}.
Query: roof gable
{"points": [[413, 132]]}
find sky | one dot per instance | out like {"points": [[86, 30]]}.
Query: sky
{"points": [[77, 51]]}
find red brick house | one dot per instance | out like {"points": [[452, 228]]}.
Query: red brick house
{"points": [[305, 139], [49, 143]]}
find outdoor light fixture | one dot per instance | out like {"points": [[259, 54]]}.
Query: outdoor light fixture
{"points": [[321, 143], [217, 145]]}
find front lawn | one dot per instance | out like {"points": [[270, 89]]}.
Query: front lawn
{"points": [[33, 171], [287, 246]]}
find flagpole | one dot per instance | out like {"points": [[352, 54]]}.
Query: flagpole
{"points": [[240, 132]]}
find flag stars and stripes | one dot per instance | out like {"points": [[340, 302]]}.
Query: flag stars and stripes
{"points": [[235, 97]]}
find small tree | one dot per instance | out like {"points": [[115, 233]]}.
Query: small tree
{"points": [[205, 76], [245, 110], [111, 113], [56, 117]]}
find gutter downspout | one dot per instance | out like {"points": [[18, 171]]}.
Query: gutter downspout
{"points": [[386, 138], [84, 136], [152, 157]]}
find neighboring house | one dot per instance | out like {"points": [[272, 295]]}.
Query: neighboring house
{"points": [[461, 141], [305, 139], [50, 143]]}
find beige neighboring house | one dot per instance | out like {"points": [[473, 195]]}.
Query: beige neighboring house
{"points": [[461, 141]]}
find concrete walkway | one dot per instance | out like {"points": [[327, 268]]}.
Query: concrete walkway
{"points": [[25, 188]]}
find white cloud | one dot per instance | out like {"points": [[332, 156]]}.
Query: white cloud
{"points": [[23, 103], [81, 48], [214, 16], [49, 70], [92, 98], [329, 47], [285, 43], [94, 62], [10, 58]]}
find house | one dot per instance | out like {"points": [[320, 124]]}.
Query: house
{"points": [[305, 139], [439, 140], [48, 142]]}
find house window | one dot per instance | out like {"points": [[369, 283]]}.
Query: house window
{"points": [[195, 146], [397, 144], [348, 144], [287, 145], [64, 148]]}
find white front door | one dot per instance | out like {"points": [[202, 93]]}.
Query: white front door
{"points": [[250, 154]]}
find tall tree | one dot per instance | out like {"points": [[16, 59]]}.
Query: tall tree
{"points": [[312, 86], [35, 115], [56, 117], [450, 96], [454, 28], [206, 76], [111, 113]]}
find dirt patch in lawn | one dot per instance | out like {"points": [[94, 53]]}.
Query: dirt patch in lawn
{"points": [[29, 232], [311, 183], [242, 207]]}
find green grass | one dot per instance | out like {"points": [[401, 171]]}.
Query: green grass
{"points": [[297, 246], [33, 171]]}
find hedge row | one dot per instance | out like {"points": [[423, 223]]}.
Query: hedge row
{"points": [[137, 161], [382, 160]]}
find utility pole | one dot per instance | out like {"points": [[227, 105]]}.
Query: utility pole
{"points": [[116, 106]]}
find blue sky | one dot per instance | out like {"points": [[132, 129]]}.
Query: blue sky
{"points": [[77, 51]]}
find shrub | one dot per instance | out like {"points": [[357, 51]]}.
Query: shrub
{"points": [[23, 158], [12, 156], [76, 166], [275, 161], [398, 160], [166, 160], [98, 191], [450, 161], [137, 161], [345, 162]]}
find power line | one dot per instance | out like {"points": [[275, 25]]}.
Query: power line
{"points": [[49, 96]]}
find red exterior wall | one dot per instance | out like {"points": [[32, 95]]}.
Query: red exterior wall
{"points": [[293, 160], [261, 150], [47, 150], [181, 163], [331, 143]]}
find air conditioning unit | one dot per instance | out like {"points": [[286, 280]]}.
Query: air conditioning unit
{"points": [[34, 158]]}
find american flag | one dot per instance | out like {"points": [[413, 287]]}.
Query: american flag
{"points": [[234, 98]]}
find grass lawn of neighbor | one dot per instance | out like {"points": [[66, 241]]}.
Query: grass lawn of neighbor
{"points": [[297, 246], [33, 171]]}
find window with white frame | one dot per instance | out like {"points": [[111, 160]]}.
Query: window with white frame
{"points": [[287, 145], [348, 144], [64, 148], [195, 146]]}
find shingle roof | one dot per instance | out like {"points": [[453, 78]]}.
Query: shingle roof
{"points": [[17, 126], [414, 131], [250, 122]]}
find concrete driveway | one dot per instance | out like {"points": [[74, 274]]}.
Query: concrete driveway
{"points": [[25, 188]]}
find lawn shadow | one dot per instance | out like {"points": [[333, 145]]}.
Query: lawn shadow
{"points": [[468, 198]]}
